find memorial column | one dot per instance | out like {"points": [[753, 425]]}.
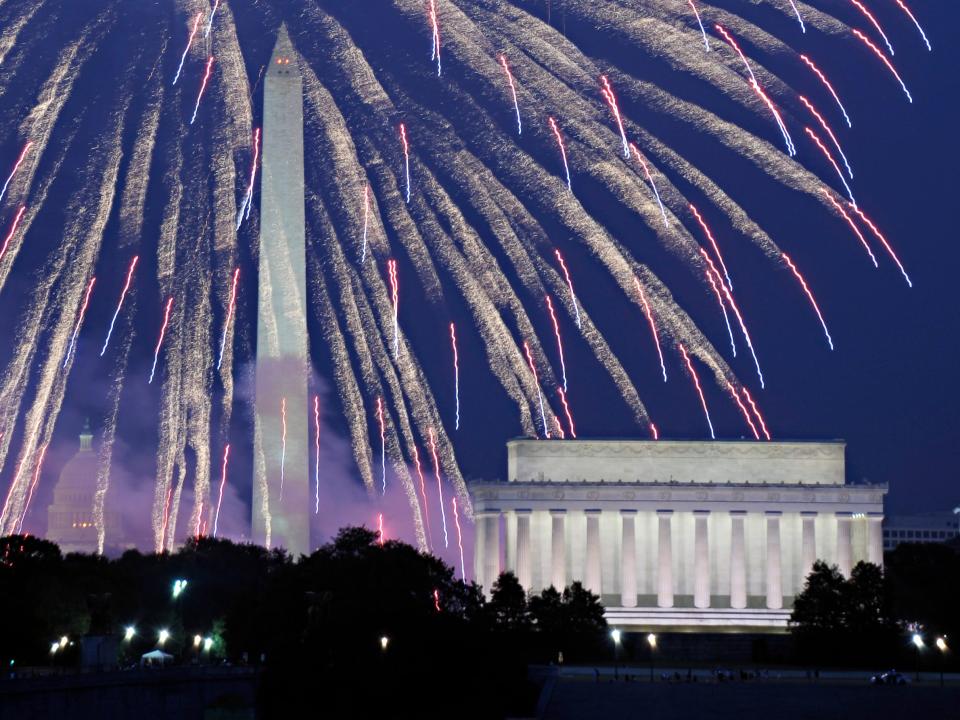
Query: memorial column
{"points": [[701, 560], [592, 571], [738, 561], [774, 569], [664, 559], [558, 549]]}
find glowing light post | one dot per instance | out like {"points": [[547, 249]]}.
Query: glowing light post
{"points": [[129, 632], [918, 645], [652, 642], [615, 636], [943, 648]]}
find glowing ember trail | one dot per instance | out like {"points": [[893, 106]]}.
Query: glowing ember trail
{"points": [[463, 566], [876, 51], [763, 425], [456, 373], [611, 99], [223, 484], [563, 150], [723, 307], [826, 151], [283, 442], [696, 382], [873, 21], [653, 326], [366, 221], [76, 330], [203, 87], [915, 22], [713, 243], [852, 224], [513, 92], [13, 484], [193, 32], [13, 231], [810, 297], [247, 203], [406, 157], [423, 492], [743, 409], [230, 311], [566, 409], [436, 599], [573, 295], [826, 128], [383, 447], [883, 241], [796, 10], [213, 12], [316, 448], [560, 433], [16, 166], [536, 379], [33, 486], [436, 472], [654, 432], [123, 295], [826, 83], [435, 52], [556, 331], [653, 185], [166, 517], [196, 530], [696, 14], [395, 291], [163, 331], [380, 535]]}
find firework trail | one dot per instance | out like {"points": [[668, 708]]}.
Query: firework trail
{"points": [[13, 484], [380, 535], [76, 330], [573, 295], [810, 297], [436, 599], [406, 157], [743, 409], [826, 83], [763, 425], [566, 409], [560, 433], [696, 14], [231, 307], [366, 221], [13, 231], [283, 442], [791, 150], [223, 484], [166, 517], [423, 491], [873, 21], [33, 486], [796, 10], [456, 374], [196, 528], [876, 51], [247, 203], [536, 380], [436, 472], [383, 446], [696, 382], [435, 49], [513, 92], [852, 224], [16, 166], [203, 87], [723, 307], [563, 150], [611, 99], [883, 241], [395, 294], [826, 128], [213, 12], [456, 521], [316, 447], [556, 331], [826, 151], [653, 185], [915, 22], [163, 331], [713, 243], [123, 295], [196, 24], [653, 326], [654, 432]]}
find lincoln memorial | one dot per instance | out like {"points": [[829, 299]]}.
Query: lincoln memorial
{"points": [[676, 534]]}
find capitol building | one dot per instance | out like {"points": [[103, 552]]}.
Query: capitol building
{"points": [[676, 534]]}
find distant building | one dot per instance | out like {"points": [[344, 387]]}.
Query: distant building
{"points": [[930, 527]]}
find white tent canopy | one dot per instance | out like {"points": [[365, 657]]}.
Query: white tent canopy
{"points": [[155, 657]]}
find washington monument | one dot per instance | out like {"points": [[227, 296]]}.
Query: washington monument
{"points": [[281, 502]]}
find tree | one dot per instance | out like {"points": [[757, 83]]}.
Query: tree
{"points": [[508, 604], [583, 611], [819, 608]]}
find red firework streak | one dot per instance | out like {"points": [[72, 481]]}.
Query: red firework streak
{"points": [[713, 243], [873, 21], [810, 297], [456, 373], [852, 224], [366, 221], [743, 409], [193, 32], [456, 520], [203, 87], [826, 152], [611, 98], [563, 150], [16, 166], [826, 83], [828, 131], [536, 380], [406, 157], [436, 472], [123, 295], [248, 195], [380, 536], [230, 310], [33, 486], [763, 425], [513, 91], [915, 22], [436, 599], [654, 432], [13, 484], [883, 241], [196, 529], [283, 442], [395, 291], [653, 185], [163, 332], [423, 492], [566, 409], [316, 442], [435, 53], [223, 484], [13, 231], [573, 295], [80, 316], [696, 382], [556, 331], [723, 308], [883, 58], [383, 447]]}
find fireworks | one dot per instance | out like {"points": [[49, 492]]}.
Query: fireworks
{"points": [[366, 221], [395, 294], [163, 332], [383, 447], [723, 307], [380, 534], [436, 472], [653, 185], [573, 295], [16, 166], [826, 152], [231, 307], [915, 22], [80, 316], [283, 442], [852, 224], [456, 374], [654, 432], [33, 486], [713, 243], [536, 380], [696, 14], [166, 517], [316, 448], [406, 157], [826, 128], [247, 203], [123, 295], [513, 92], [826, 83], [193, 32], [203, 87], [810, 297], [436, 599], [435, 43], [743, 409], [556, 331], [213, 12], [883, 241], [696, 382], [653, 326], [196, 529], [883, 58], [753, 405], [223, 484], [608, 95], [796, 10], [873, 21], [563, 150], [566, 409], [456, 522], [423, 492], [13, 231], [559, 428]]}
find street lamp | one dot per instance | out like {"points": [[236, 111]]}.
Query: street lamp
{"points": [[63, 641], [179, 586], [207, 644], [197, 640], [652, 642], [615, 636], [942, 647], [917, 640], [54, 647], [163, 636], [129, 632], [384, 641]]}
